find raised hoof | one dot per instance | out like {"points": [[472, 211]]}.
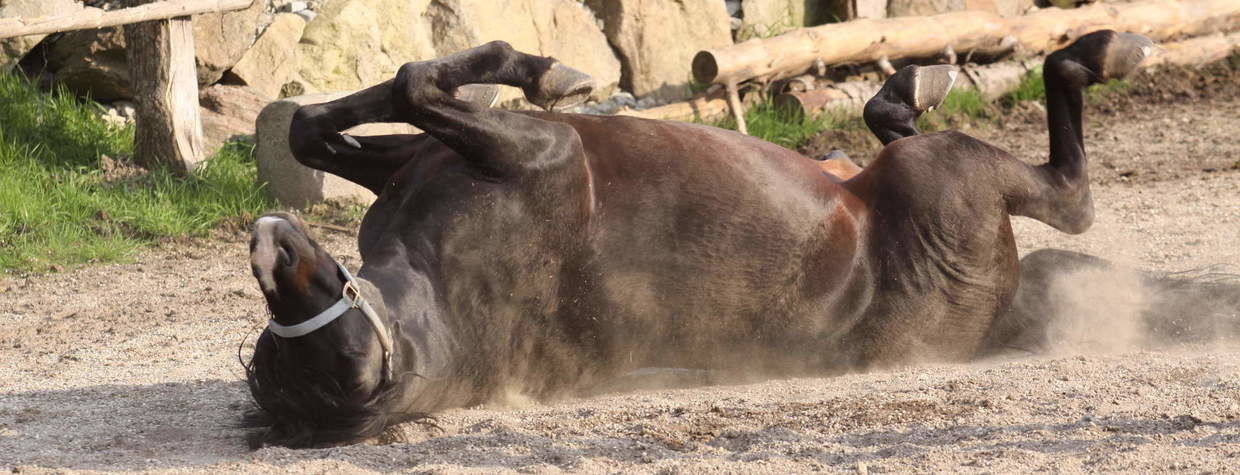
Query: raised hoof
{"points": [[485, 95], [561, 87], [1107, 54], [931, 85], [1123, 54]]}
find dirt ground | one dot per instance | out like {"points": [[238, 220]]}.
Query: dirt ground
{"points": [[135, 366]]}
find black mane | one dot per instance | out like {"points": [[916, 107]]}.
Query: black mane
{"points": [[301, 406]]}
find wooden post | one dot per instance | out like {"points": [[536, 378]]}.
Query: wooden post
{"points": [[738, 110], [168, 130]]}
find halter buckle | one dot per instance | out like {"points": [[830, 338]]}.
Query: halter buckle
{"points": [[351, 293]]}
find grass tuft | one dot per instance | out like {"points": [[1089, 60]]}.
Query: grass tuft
{"points": [[960, 105], [63, 204]]}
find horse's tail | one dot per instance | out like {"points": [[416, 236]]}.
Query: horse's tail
{"points": [[1079, 302]]}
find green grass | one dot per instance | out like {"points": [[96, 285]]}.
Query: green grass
{"points": [[1030, 88], [960, 105], [782, 126], [59, 208]]}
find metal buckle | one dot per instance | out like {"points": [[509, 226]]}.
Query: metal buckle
{"points": [[355, 297]]}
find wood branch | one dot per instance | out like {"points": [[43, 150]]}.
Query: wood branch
{"points": [[91, 17], [967, 32], [168, 130], [738, 110]]}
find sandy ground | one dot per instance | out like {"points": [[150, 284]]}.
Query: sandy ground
{"points": [[135, 366]]}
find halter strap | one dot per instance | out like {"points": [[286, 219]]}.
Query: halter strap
{"points": [[350, 298]]}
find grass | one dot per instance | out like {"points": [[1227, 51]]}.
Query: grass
{"points": [[778, 125], [61, 206]]}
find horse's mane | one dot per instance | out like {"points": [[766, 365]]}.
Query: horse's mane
{"points": [[301, 406]]}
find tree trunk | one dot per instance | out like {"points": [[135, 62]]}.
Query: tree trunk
{"points": [[165, 85]]}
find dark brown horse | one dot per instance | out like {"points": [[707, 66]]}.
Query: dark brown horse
{"points": [[540, 253]]}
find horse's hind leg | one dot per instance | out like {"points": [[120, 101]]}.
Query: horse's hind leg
{"points": [[1057, 192], [499, 143], [891, 114]]}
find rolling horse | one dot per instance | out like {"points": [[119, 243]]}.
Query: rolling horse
{"points": [[539, 252]]}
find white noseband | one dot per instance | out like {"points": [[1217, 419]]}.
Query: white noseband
{"points": [[350, 298]]}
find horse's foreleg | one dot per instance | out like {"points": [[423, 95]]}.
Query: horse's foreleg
{"points": [[499, 142], [317, 139], [891, 114]]}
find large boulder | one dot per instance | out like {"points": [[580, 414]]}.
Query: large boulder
{"points": [[764, 18], [88, 62], [294, 184], [221, 39], [356, 43], [352, 44], [272, 61], [656, 40], [13, 49], [229, 111], [94, 62]]}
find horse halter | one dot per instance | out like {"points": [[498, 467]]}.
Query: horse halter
{"points": [[350, 298]]}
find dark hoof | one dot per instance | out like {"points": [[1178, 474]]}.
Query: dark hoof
{"points": [[485, 95], [561, 87], [931, 85], [1107, 55], [1123, 54]]}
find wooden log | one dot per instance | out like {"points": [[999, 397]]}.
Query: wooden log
{"points": [[967, 32], [168, 130], [995, 80], [709, 106], [97, 18], [846, 97]]}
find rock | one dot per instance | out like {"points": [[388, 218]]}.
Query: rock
{"points": [[87, 62], [356, 43], [352, 44], [221, 39], [228, 111], [765, 18], [94, 62], [271, 62], [13, 49], [656, 40], [897, 8], [291, 183]]}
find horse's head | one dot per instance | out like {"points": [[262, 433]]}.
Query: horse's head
{"points": [[321, 372]]}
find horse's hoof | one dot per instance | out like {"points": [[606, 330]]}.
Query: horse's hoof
{"points": [[485, 95], [561, 87], [1123, 54], [931, 85]]}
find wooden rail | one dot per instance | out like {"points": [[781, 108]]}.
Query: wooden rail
{"points": [[160, 39], [90, 17]]}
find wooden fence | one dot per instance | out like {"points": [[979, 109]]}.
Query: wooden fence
{"points": [[160, 40]]}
